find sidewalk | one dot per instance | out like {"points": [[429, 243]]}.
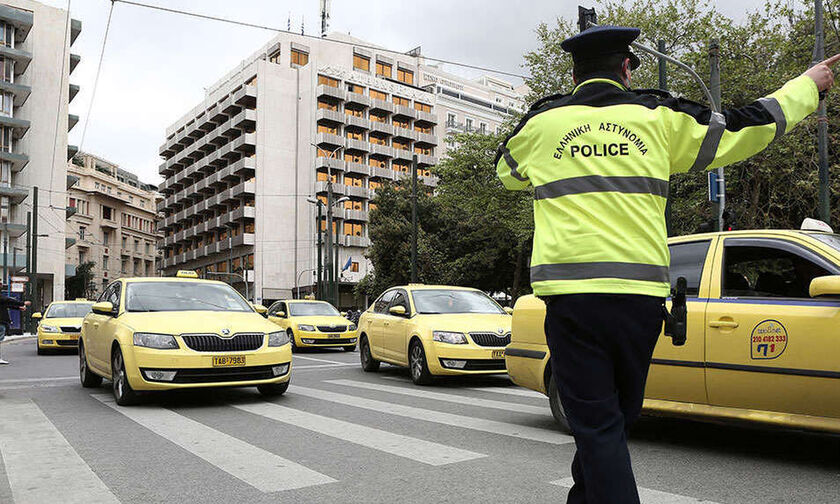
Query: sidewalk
{"points": [[18, 337]]}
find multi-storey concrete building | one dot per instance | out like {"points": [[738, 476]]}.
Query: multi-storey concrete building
{"points": [[112, 220], [240, 166], [35, 92]]}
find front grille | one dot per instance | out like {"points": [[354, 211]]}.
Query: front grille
{"points": [[70, 329], [71, 342], [490, 339], [485, 365], [231, 374], [332, 328], [333, 341], [215, 343]]}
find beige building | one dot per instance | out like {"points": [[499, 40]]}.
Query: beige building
{"points": [[35, 93], [240, 166], [111, 220]]}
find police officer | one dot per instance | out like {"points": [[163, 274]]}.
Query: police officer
{"points": [[599, 159]]}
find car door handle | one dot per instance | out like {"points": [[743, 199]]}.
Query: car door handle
{"points": [[723, 324], [386, 323], [95, 325]]}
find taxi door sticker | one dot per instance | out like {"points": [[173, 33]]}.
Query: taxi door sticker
{"points": [[769, 340]]}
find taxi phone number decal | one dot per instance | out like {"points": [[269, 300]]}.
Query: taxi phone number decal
{"points": [[769, 340]]}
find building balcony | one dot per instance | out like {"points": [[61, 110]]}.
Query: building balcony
{"points": [[429, 181], [246, 96], [426, 138], [426, 117], [384, 173], [403, 154], [357, 99], [355, 241], [405, 133], [358, 192], [359, 122], [329, 163], [75, 59], [380, 127], [73, 90], [404, 111], [243, 188], [191, 254], [19, 126], [359, 145], [246, 239], [72, 150], [245, 119], [332, 92], [425, 159], [20, 92], [169, 241], [244, 212], [15, 194], [18, 161], [20, 19], [358, 169], [327, 115], [381, 105], [21, 58], [75, 30], [329, 139], [245, 143], [72, 121], [321, 187], [382, 150], [356, 215]]}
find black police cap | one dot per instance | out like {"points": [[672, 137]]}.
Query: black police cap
{"points": [[603, 40]]}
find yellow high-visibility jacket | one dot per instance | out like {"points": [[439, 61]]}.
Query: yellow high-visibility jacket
{"points": [[599, 160]]}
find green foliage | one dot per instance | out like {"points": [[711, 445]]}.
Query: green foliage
{"points": [[81, 284]]}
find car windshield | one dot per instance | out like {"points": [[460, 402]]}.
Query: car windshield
{"points": [[832, 240], [307, 309], [454, 301], [183, 296], [68, 310]]}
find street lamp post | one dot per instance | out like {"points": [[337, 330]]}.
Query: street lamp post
{"points": [[329, 244], [235, 275], [297, 281]]}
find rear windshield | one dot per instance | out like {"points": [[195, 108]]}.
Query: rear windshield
{"points": [[309, 309], [68, 310], [183, 296]]}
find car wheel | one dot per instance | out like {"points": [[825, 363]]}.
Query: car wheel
{"points": [[556, 406], [420, 374], [273, 389], [124, 395], [88, 378], [351, 348], [369, 364], [295, 348], [40, 351]]}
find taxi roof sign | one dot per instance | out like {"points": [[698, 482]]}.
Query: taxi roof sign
{"points": [[186, 274]]}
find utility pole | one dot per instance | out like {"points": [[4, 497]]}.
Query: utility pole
{"points": [[414, 218], [822, 120], [329, 235], [27, 295], [663, 86], [33, 278], [320, 253], [714, 67], [335, 268]]}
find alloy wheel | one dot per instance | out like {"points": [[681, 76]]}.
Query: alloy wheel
{"points": [[416, 361], [118, 375]]}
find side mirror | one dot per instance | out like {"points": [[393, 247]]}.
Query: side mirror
{"points": [[508, 310], [825, 286], [103, 308], [397, 310], [37, 315], [262, 310], [281, 314]]}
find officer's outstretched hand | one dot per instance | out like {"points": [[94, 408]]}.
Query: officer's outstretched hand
{"points": [[822, 74]]}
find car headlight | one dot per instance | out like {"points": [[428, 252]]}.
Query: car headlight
{"points": [[278, 338], [306, 327], [455, 338], [49, 328], [352, 327], [154, 340]]}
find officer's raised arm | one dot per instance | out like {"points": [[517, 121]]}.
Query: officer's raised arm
{"points": [[700, 140], [512, 158]]}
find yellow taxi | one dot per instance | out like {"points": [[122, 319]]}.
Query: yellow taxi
{"points": [[310, 323], [435, 330], [60, 324], [763, 312], [149, 334]]}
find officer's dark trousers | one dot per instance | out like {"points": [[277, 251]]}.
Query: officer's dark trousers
{"points": [[601, 345]]}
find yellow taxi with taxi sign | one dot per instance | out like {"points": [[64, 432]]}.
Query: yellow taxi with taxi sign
{"points": [[147, 334], [763, 311], [60, 324], [435, 330], [311, 324]]}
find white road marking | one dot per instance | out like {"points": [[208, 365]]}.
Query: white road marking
{"points": [[319, 366], [259, 468], [479, 424], [40, 464], [298, 356], [648, 496], [45, 379], [452, 398], [419, 450], [512, 390]]}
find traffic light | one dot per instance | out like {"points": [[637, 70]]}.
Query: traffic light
{"points": [[728, 220]]}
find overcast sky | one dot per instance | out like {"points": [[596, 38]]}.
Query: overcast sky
{"points": [[157, 64]]}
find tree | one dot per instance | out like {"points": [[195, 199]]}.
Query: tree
{"points": [[81, 284]]}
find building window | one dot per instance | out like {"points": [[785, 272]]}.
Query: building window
{"points": [[323, 128], [355, 88], [327, 81], [361, 63], [353, 158], [106, 238], [423, 129], [82, 230], [354, 266], [327, 105], [354, 112], [406, 76], [400, 123], [378, 95], [104, 262], [422, 107], [352, 229], [468, 124], [355, 135], [353, 181], [400, 145], [323, 177], [107, 213], [451, 119], [380, 118], [383, 69], [398, 100], [275, 57], [482, 128], [299, 58]]}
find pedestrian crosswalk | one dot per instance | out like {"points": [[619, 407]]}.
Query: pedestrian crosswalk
{"points": [[37, 459], [648, 496]]}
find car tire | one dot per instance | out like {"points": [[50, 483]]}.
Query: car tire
{"points": [[417, 366], [88, 378], [369, 364], [557, 407], [39, 350], [291, 335], [351, 348], [124, 395], [273, 389]]}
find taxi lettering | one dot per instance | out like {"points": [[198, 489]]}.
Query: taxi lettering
{"points": [[769, 340]]}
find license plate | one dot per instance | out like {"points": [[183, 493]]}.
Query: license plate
{"points": [[331, 336], [228, 360], [497, 354]]}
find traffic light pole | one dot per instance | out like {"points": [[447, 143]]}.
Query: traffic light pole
{"points": [[663, 85], [822, 121], [714, 68], [414, 219], [320, 253]]}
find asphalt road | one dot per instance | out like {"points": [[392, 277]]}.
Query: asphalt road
{"points": [[341, 435]]}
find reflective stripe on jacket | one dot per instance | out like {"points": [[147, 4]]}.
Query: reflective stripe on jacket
{"points": [[599, 160]]}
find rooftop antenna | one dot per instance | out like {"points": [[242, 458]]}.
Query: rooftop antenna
{"points": [[325, 17], [289, 22]]}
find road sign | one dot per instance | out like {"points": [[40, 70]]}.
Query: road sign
{"points": [[20, 279], [18, 287], [714, 187]]}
